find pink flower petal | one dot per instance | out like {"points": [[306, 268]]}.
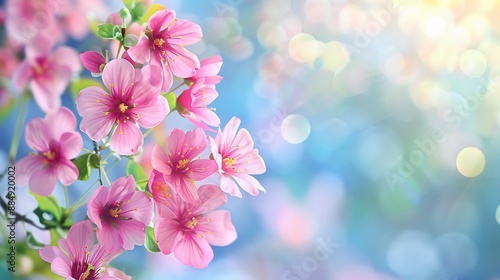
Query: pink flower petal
{"points": [[229, 132], [60, 267], [96, 126], [49, 253], [60, 122], [211, 197], [228, 185], [140, 205], [21, 76], [141, 52], [184, 32], [168, 233], [108, 236], [184, 187], [152, 114], [49, 101], [216, 228], [154, 76], [122, 185], [117, 75], [25, 168], [159, 160], [181, 62], [132, 233], [127, 139], [253, 164], [43, 181], [194, 251], [40, 46], [249, 183], [37, 136], [87, 101], [68, 58], [71, 144], [67, 171], [202, 168], [80, 236], [92, 61], [160, 20], [96, 204], [175, 142]]}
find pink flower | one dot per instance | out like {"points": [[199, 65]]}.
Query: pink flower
{"points": [[55, 142], [160, 189], [48, 73], [8, 62], [121, 214], [133, 101], [93, 62], [27, 18], [236, 159], [163, 45], [192, 104], [178, 164], [209, 68], [77, 257], [188, 230]]}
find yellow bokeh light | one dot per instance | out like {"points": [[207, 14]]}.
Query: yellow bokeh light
{"points": [[473, 63], [470, 162], [303, 47], [335, 56]]}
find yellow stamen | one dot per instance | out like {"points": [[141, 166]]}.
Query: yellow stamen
{"points": [[123, 108], [229, 161], [192, 223], [182, 163], [159, 42]]}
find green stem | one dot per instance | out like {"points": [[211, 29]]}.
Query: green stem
{"points": [[14, 146], [148, 132], [141, 181], [66, 199], [176, 88], [119, 49], [105, 176]]}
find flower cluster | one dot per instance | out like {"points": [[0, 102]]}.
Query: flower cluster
{"points": [[170, 209]]}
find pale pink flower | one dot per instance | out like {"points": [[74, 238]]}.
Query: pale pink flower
{"points": [[47, 72], [121, 214], [94, 62], [55, 142], [28, 18], [133, 101], [188, 230], [236, 158], [78, 258], [179, 165], [163, 45], [160, 189], [192, 104], [209, 68]]}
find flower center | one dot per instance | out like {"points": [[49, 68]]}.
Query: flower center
{"points": [[182, 163], [49, 155], [114, 211], [192, 223], [159, 42], [123, 108], [229, 161]]}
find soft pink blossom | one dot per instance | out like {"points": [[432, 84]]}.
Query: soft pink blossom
{"points": [[160, 189], [78, 258], [188, 230], [47, 72], [192, 104], [163, 45], [55, 142], [8, 62], [94, 62], [179, 165], [233, 150], [209, 68], [133, 100], [121, 214]]}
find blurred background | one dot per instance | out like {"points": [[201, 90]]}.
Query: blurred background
{"points": [[378, 121]]}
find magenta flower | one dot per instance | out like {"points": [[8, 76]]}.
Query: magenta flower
{"points": [[192, 104], [236, 159], [55, 142], [48, 73], [163, 45], [93, 62], [77, 257], [188, 230], [121, 214], [133, 101], [179, 166], [209, 68]]}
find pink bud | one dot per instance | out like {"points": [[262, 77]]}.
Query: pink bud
{"points": [[93, 61]]}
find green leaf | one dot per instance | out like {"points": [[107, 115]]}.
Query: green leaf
{"points": [[83, 164], [124, 14], [7, 109], [49, 205], [106, 31], [80, 84], [139, 175], [151, 244], [130, 4], [153, 9], [32, 242], [137, 12], [66, 220], [95, 161], [172, 100]]}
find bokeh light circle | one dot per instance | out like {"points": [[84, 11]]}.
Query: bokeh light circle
{"points": [[470, 162], [473, 63], [295, 129]]}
